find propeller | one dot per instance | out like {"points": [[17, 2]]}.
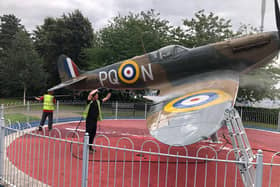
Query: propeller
{"points": [[262, 14], [277, 15]]}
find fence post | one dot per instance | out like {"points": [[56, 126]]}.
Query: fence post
{"points": [[145, 110], [2, 139], [85, 161], [278, 127], [259, 169], [116, 112], [241, 113], [28, 111], [57, 110]]}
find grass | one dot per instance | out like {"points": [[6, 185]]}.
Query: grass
{"points": [[22, 114], [9, 101], [18, 113], [17, 117], [259, 125]]}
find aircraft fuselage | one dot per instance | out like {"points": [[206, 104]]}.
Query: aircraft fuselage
{"points": [[168, 65]]}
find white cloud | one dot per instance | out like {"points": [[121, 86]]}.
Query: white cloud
{"points": [[99, 12]]}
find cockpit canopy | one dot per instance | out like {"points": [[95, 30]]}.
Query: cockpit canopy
{"points": [[170, 51]]}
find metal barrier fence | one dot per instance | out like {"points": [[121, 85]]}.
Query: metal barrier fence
{"points": [[41, 159], [32, 158], [31, 112], [260, 118]]}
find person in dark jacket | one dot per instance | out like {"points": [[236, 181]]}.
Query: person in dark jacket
{"points": [[93, 114]]}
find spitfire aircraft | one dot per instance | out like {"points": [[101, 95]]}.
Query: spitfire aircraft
{"points": [[196, 85]]}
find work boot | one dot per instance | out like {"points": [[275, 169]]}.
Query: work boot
{"points": [[91, 150]]}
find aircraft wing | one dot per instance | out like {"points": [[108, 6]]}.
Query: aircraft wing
{"points": [[67, 83], [194, 108]]}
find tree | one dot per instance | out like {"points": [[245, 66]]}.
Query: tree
{"points": [[15, 55], [96, 57], [66, 35], [9, 26], [21, 70], [79, 35], [204, 29], [259, 84], [128, 36]]}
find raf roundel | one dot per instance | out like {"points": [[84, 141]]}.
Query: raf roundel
{"points": [[197, 100], [128, 72]]}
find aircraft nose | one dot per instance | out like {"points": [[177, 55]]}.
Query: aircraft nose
{"points": [[277, 33], [276, 37]]}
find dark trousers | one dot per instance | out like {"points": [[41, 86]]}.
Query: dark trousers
{"points": [[91, 126], [50, 119]]}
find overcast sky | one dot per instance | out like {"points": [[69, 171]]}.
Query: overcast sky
{"points": [[33, 12]]}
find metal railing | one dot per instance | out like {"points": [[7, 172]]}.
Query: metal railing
{"points": [[31, 112], [32, 158], [53, 159], [260, 118]]}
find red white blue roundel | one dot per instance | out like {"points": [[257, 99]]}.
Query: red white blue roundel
{"points": [[128, 72], [197, 100]]}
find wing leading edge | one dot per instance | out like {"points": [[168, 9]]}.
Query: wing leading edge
{"points": [[196, 113], [68, 83]]}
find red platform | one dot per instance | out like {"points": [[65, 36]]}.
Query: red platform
{"points": [[57, 163]]}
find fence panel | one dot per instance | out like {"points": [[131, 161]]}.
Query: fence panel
{"points": [[55, 158]]}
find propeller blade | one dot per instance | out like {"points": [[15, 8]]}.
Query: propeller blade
{"points": [[277, 15], [262, 14]]}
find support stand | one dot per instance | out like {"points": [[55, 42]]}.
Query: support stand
{"points": [[241, 146]]}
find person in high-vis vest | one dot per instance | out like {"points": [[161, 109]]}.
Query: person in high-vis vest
{"points": [[93, 113], [48, 108]]}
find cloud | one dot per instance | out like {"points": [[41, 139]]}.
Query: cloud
{"points": [[99, 12]]}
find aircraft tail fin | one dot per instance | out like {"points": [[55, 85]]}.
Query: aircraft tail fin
{"points": [[67, 68]]}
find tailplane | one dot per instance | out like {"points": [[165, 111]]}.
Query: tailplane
{"points": [[67, 68], [69, 73]]}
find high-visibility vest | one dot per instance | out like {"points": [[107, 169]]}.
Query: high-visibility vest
{"points": [[48, 102], [100, 113], [85, 113]]}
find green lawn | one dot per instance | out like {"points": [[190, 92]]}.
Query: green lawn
{"points": [[19, 117], [19, 113], [10, 101], [259, 125]]}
